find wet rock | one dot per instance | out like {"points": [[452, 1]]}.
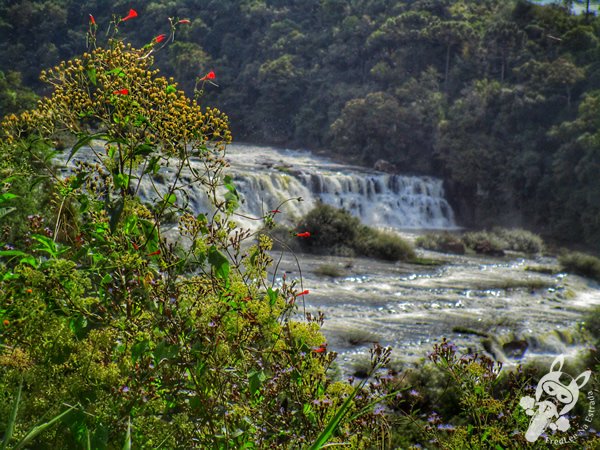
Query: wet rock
{"points": [[515, 349], [385, 166]]}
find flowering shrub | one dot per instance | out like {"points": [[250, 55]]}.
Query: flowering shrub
{"points": [[123, 335]]}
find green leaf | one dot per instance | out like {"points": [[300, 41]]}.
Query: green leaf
{"points": [[219, 263], [6, 196], [115, 214], [171, 89], [116, 71], [13, 253], [85, 140], [138, 350], [255, 381], [143, 150], [121, 181], [6, 211], [272, 293], [170, 199], [91, 73], [35, 431], [78, 325], [127, 444], [164, 351], [10, 426], [30, 260]]}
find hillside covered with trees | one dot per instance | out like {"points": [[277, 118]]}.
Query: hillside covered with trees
{"points": [[501, 99]]}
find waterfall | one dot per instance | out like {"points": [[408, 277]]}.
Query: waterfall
{"points": [[266, 177]]}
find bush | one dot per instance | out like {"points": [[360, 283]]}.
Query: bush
{"points": [[153, 344], [441, 242], [581, 264], [383, 245], [485, 242], [336, 231], [520, 240]]}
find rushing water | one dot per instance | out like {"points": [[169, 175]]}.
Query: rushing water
{"points": [[496, 305]]}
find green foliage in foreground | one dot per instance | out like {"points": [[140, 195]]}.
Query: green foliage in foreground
{"points": [[336, 231], [112, 334]]}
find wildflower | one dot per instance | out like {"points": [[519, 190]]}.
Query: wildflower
{"points": [[132, 13], [209, 76], [121, 92], [414, 393], [320, 349], [28, 291], [6, 323], [304, 292], [92, 20], [161, 37], [185, 21], [275, 211], [157, 252], [304, 234], [378, 410]]}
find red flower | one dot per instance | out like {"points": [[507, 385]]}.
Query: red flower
{"points": [[305, 234], [209, 76], [161, 37], [304, 292], [121, 92], [186, 21], [320, 349], [92, 20], [6, 323], [131, 15], [157, 252], [275, 211]]}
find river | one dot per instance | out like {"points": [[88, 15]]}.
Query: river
{"points": [[513, 308]]}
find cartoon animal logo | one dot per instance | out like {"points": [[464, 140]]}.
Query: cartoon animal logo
{"points": [[555, 390]]}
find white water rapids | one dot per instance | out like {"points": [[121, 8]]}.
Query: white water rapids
{"points": [[496, 305]]}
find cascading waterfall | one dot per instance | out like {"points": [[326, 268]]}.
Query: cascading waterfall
{"points": [[266, 178]]}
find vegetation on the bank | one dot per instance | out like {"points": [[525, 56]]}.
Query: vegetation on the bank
{"points": [[494, 242], [335, 231], [498, 98], [581, 264]]}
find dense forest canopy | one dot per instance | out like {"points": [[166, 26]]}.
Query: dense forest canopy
{"points": [[501, 99]]}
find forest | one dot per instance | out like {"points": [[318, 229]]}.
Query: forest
{"points": [[141, 322], [498, 98]]}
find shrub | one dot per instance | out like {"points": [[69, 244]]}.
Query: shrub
{"points": [[150, 342], [520, 240], [441, 242], [485, 242], [336, 231], [383, 245], [580, 264]]}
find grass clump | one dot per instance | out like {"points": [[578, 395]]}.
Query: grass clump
{"points": [[494, 242], [581, 264], [443, 242], [336, 231], [520, 240]]}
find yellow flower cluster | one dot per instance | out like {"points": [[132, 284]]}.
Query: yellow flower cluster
{"points": [[115, 92]]}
